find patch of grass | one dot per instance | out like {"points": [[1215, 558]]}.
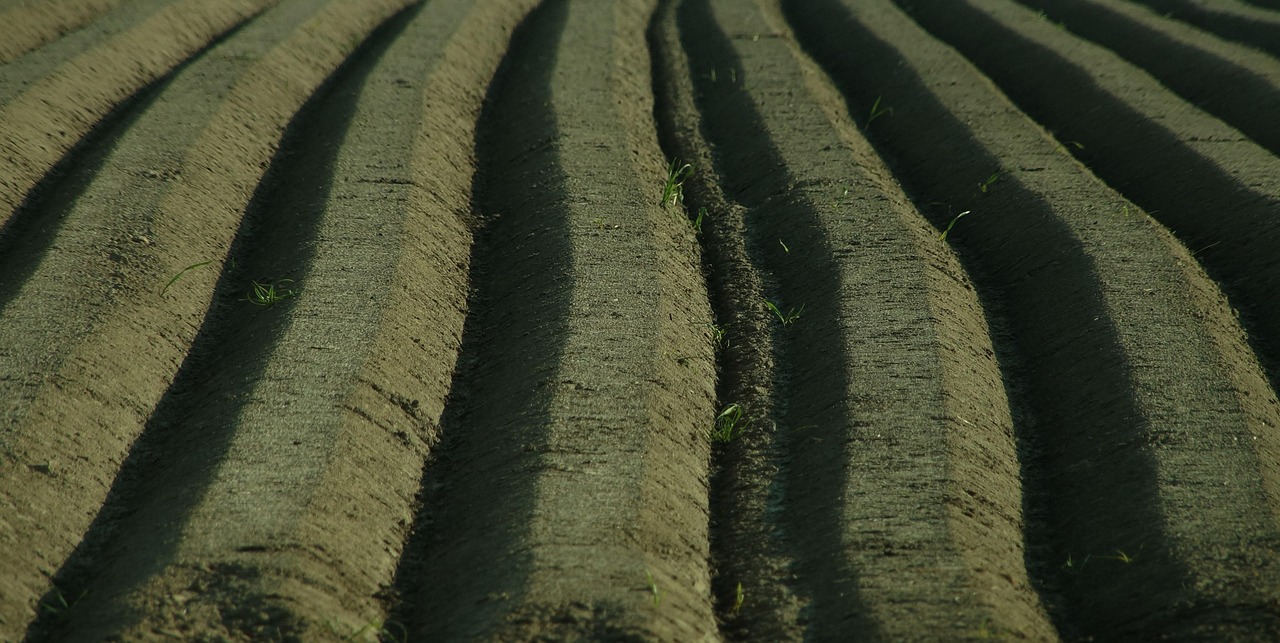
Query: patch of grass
{"points": [[730, 424], [738, 598], [673, 185], [943, 236], [269, 294], [877, 112], [697, 222], [183, 272], [786, 318]]}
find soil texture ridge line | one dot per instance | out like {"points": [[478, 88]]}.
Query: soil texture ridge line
{"points": [[310, 551], [17, 75], [1125, 358], [1232, 19], [30, 25], [49, 465], [1237, 84], [585, 382], [1225, 216], [47, 120], [831, 238]]}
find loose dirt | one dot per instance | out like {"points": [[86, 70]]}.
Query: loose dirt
{"points": [[369, 320]]}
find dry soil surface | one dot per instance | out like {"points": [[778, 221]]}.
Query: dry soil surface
{"points": [[678, 320]]}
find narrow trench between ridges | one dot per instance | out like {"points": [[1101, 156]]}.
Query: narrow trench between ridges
{"points": [[766, 456], [476, 498], [228, 354], [1041, 392], [30, 232], [1116, 143]]}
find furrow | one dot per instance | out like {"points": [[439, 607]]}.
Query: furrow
{"points": [[24, 71], [30, 26], [568, 498], [1214, 188], [323, 418], [1237, 84], [1248, 23], [40, 126], [884, 454], [1128, 365], [98, 301]]}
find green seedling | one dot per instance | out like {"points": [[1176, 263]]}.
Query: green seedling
{"points": [[270, 294], [985, 186], [718, 336], [738, 598], [697, 222], [653, 589], [673, 186], [1120, 556], [784, 246], [730, 424], [877, 112], [787, 318], [60, 608], [382, 630], [183, 272], [943, 236]]}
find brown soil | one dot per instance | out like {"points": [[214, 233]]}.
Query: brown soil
{"points": [[367, 320]]}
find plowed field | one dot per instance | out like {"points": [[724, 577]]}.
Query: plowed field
{"points": [[679, 320]]}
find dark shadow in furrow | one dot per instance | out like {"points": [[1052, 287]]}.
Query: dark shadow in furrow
{"points": [[28, 235], [466, 564], [1234, 94], [1261, 35], [1088, 488], [1227, 226], [810, 382], [743, 358], [175, 458]]}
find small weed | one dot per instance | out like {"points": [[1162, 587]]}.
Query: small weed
{"points": [[673, 186], [59, 609], [985, 186], [738, 598], [730, 424], [653, 589], [1073, 566], [877, 112], [1120, 556], [989, 632], [784, 246], [697, 222], [385, 631], [943, 236], [718, 336], [183, 272], [270, 294], [787, 318]]}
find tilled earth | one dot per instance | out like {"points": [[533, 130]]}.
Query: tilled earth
{"points": [[372, 319]]}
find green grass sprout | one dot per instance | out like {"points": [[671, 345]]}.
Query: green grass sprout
{"points": [[268, 294], [183, 272], [730, 424], [877, 112], [943, 236], [787, 318], [673, 186]]}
